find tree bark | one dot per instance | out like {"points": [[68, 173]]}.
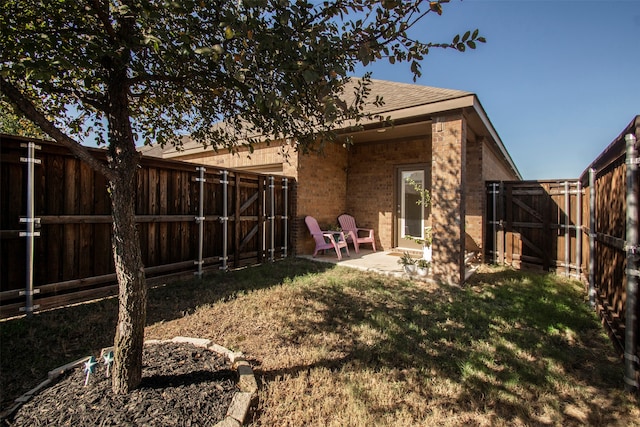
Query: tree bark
{"points": [[132, 294]]}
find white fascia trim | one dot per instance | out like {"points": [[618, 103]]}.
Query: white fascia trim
{"points": [[487, 123]]}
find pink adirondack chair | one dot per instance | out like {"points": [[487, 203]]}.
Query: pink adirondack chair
{"points": [[356, 235], [326, 239]]}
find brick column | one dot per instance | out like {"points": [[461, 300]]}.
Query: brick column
{"points": [[475, 193], [448, 170]]}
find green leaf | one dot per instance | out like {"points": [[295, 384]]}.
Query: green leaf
{"points": [[456, 39], [471, 44], [466, 36]]}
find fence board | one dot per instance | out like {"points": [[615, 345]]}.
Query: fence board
{"points": [[75, 244], [535, 225], [584, 228]]}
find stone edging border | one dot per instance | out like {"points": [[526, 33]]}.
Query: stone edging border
{"points": [[240, 403]]}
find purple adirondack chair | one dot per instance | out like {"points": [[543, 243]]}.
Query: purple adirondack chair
{"points": [[348, 225], [326, 239]]}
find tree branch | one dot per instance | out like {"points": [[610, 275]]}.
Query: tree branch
{"points": [[26, 107], [103, 15]]}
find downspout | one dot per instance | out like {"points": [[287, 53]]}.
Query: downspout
{"points": [[631, 322]]}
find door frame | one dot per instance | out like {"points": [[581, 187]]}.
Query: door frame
{"points": [[398, 241]]}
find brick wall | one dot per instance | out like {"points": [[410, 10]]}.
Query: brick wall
{"points": [[494, 167], [483, 164], [371, 195], [475, 195], [448, 197], [321, 192]]}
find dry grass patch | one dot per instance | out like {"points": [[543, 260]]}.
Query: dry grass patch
{"points": [[337, 347]]}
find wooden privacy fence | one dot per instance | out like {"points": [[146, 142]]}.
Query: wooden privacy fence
{"points": [[190, 219], [585, 228], [536, 225]]}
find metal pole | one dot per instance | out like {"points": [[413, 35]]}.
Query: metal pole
{"points": [[285, 217], [567, 234], [592, 237], [494, 226], [31, 221], [631, 321], [200, 219], [224, 219], [501, 227], [272, 217], [579, 231]]}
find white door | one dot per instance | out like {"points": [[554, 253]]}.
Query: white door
{"points": [[410, 215]]}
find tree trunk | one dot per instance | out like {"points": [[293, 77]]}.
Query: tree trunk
{"points": [[132, 293], [129, 338]]}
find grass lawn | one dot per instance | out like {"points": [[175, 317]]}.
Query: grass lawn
{"points": [[333, 346]]}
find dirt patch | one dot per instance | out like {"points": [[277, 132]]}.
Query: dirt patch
{"points": [[182, 385]]}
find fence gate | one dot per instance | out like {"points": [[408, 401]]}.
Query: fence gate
{"points": [[535, 225]]}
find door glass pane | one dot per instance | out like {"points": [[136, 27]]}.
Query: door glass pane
{"points": [[412, 213]]}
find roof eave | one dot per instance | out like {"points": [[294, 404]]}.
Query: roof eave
{"points": [[477, 106]]}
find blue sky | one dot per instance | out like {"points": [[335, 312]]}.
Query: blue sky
{"points": [[558, 79]]}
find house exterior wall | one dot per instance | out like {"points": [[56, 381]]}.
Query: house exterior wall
{"points": [[448, 176], [263, 154], [321, 192], [494, 167], [475, 193], [371, 192], [483, 164]]}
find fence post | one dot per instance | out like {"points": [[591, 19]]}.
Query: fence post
{"points": [[579, 230], [502, 227], [631, 321], [494, 222], [285, 216], [567, 231], [592, 237], [200, 219], [224, 219], [31, 221], [272, 218]]}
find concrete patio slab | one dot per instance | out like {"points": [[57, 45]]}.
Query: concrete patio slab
{"points": [[382, 262]]}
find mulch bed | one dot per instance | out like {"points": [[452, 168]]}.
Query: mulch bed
{"points": [[182, 385]]}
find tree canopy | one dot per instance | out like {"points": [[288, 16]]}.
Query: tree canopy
{"points": [[272, 67], [147, 71]]}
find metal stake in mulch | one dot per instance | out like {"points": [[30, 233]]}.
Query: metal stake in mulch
{"points": [[89, 368], [108, 360]]}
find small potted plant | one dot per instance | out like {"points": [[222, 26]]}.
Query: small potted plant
{"points": [[423, 267], [426, 241], [408, 263]]}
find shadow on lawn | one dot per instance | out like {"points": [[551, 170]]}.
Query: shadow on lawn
{"points": [[507, 343], [29, 348]]}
